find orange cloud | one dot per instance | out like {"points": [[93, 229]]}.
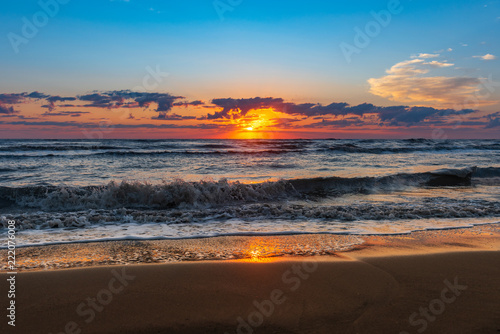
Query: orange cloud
{"points": [[406, 82]]}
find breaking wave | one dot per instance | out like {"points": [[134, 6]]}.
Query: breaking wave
{"points": [[209, 194]]}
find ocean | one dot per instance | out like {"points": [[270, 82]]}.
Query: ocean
{"points": [[65, 191]]}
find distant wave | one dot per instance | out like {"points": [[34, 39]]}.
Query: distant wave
{"points": [[353, 148], [21, 148], [154, 153], [219, 146], [257, 147], [206, 194]]}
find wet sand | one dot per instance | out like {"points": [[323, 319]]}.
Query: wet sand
{"points": [[432, 282]]}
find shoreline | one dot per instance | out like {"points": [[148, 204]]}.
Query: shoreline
{"points": [[254, 248]]}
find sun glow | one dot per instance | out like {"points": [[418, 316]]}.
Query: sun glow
{"points": [[255, 124], [261, 249]]}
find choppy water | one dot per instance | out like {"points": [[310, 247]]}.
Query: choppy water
{"points": [[77, 190]]}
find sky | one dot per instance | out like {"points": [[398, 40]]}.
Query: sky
{"points": [[244, 69]]}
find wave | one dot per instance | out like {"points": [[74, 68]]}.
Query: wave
{"points": [[353, 148], [195, 152], [155, 153], [428, 208], [20, 148], [207, 194], [216, 146], [487, 172]]}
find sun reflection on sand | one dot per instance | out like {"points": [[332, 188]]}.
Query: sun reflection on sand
{"points": [[262, 250]]}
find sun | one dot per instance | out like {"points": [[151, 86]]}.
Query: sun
{"points": [[249, 128]]}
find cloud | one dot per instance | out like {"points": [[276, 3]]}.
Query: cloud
{"points": [[116, 126], [116, 99], [486, 57], [37, 95], [493, 120], [406, 116], [66, 113], [406, 82], [104, 100], [388, 116], [493, 123], [53, 99], [12, 98], [60, 99], [237, 108], [187, 104], [294, 115], [172, 117], [435, 63], [426, 55], [21, 97], [342, 123], [7, 110]]}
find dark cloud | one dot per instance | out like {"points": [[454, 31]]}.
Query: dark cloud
{"points": [[284, 123], [341, 123], [493, 122], [53, 99], [25, 117], [47, 123], [7, 110], [104, 100], [237, 108], [12, 98], [409, 116], [164, 101], [60, 99], [21, 97], [36, 95], [66, 113], [117, 99], [187, 104], [116, 126], [313, 109], [172, 117]]}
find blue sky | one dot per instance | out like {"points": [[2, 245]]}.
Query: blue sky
{"points": [[288, 49]]}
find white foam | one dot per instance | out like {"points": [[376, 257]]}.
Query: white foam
{"points": [[213, 228]]}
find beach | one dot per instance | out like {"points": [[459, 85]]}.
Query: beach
{"points": [[430, 281]]}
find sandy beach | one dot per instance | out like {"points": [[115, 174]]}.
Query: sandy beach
{"points": [[433, 282]]}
